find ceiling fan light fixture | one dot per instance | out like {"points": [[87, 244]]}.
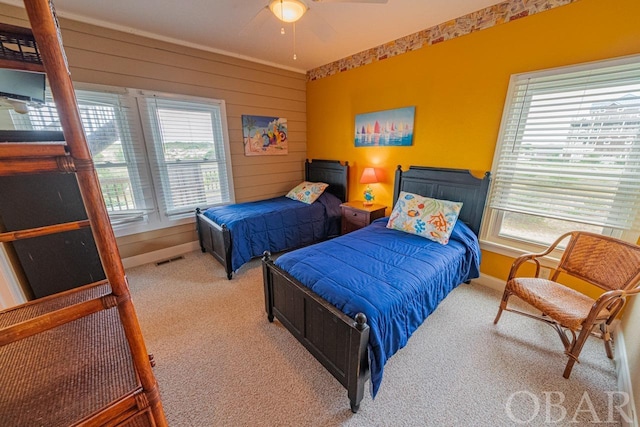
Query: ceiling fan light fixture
{"points": [[288, 10]]}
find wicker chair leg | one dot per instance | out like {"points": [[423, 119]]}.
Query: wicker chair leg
{"points": [[574, 351], [606, 337], [503, 305], [569, 367]]}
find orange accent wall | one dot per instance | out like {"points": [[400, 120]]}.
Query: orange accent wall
{"points": [[458, 88]]}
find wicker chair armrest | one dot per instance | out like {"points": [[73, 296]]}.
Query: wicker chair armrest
{"points": [[534, 257], [521, 260], [611, 300], [633, 291]]}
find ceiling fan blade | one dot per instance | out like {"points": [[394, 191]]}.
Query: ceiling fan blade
{"points": [[320, 27], [350, 1], [255, 23]]}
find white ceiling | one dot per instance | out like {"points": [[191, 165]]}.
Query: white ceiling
{"points": [[329, 30]]}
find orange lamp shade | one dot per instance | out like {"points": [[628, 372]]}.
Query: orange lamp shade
{"points": [[368, 176]]}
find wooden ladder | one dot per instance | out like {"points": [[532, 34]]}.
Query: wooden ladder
{"points": [[72, 156]]}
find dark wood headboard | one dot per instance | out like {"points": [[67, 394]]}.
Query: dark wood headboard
{"points": [[457, 185], [330, 172]]}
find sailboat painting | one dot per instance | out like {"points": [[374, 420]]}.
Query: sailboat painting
{"points": [[385, 128]]}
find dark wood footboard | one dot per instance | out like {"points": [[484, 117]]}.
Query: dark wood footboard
{"points": [[337, 341], [215, 239]]}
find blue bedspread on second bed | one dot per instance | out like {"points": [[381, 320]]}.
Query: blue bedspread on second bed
{"points": [[396, 279], [276, 224]]}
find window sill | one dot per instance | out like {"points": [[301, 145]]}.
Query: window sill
{"points": [[549, 261], [148, 226]]}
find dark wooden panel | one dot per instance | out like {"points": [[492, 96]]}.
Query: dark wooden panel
{"points": [[290, 305], [325, 333], [327, 336], [30, 136], [330, 172], [338, 342], [216, 239], [57, 262], [457, 185], [30, 201]]}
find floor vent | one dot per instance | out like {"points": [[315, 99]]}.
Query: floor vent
{"points": [[167, 261]]}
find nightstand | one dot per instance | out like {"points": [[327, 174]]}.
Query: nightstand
{"points": [[355, 215]]}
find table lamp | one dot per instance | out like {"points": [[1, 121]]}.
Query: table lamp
{"points": [[368, 177]]}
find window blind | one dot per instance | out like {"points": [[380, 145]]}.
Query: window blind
{"points": [[190, 158], [569, 147], [116, 146]]}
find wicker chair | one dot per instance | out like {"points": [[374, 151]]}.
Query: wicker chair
{"points": [[610, 264]]}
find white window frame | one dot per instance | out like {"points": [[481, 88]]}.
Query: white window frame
{"points": [[152, 186], [158, 166], [512, 247]]}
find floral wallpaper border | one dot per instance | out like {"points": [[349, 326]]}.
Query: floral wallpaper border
{"points": [[500, 13]]}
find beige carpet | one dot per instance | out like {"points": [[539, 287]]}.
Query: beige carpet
{"points": [[221, 363]]}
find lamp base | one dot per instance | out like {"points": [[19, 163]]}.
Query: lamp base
{"points": [[368, 197]]}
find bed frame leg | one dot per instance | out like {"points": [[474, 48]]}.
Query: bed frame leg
{"points": [[198, 230], [360, 369], [267, 262], [226, 238]]}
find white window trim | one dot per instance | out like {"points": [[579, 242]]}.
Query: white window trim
{"points": [[140, 97], [507, 247], [154, 220], [489, 238]]}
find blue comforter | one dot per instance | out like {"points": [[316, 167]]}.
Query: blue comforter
{"points": [[396, 279], [276, 225]]}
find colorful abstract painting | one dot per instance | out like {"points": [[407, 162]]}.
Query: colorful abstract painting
{"points": [[385, 128], [264, 136]]}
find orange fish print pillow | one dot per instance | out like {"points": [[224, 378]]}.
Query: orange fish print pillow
{"points": [[424, 216]]}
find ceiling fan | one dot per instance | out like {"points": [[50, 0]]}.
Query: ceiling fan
{"points": [[290, 11]]}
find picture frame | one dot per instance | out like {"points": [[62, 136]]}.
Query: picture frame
{"points": [[264, 136], [385, 128]]}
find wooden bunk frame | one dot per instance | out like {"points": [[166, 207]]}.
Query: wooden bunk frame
{"points": [[216, 238], [51, 339], [337, 341]]}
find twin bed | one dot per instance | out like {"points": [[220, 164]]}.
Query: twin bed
{"points": [[355, 300], [234, 234]]}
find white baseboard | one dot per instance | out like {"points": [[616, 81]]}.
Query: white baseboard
{"points": [[490, 282], [624, 378], [160, 255]]}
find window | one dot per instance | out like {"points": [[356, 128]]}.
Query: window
{"points": [[117, 152], [158, 156], [568, 156], [188, 154]]}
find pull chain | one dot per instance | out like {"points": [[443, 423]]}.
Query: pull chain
{"points": [[281, 17], [294, 42]]}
